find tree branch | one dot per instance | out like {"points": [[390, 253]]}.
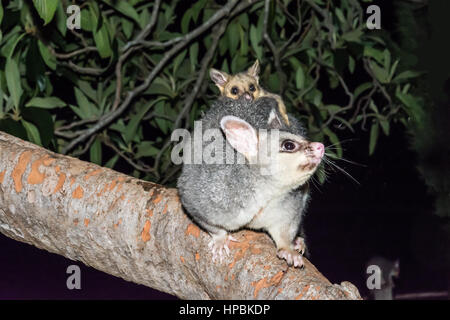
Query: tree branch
{"points": [[137, 230]]}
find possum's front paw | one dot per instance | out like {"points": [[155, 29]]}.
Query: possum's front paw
{"points": [[219, 245], [299, 245], [291, 256]]}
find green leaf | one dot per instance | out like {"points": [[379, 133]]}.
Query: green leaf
{"points": [[374, 53], [185, 21], [353, 36], [385, 126], [32, 132], [86, 21], [362, 87], [351, 64], [178, 60], [12, 75], [46, 103], [7, 49], [146, 149], [255, 40], [193, 55], [49, 59], [95, 152], [387, 59], [381, 74], [127, 28], [135, 120], [1, 12], [100, 32], [405, 75], [46, 9], [233, 39], [300, 78], [125, 8], [61, 19], [43, 121], [334, 141], [162, 124], [374, 130], [112, 162], [86, 107]]}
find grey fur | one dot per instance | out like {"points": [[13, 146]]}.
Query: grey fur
{"points": [[213, 194]]}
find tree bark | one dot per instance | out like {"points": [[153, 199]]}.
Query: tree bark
{"points": [[137, 230]]}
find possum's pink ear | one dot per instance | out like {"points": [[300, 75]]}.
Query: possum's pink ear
{"points": [[253, 71], [241, 136], [220, 78]]}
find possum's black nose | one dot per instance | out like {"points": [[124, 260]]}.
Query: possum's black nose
{"points": [[248, 96]]}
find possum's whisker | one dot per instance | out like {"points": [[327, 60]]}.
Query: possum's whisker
{"points": [[315, 183], [328, 161], [330, 155]]}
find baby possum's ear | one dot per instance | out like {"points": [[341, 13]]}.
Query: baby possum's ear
{"points": [[241, 136], [253, 71], [220, 78], [274, 121]]}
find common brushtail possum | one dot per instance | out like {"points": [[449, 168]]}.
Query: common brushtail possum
{"points": [[265, 195], [245, 84]]}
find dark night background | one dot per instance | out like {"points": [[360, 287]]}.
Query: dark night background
{"points": [[345, 225]]}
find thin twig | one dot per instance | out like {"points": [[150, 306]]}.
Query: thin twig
{"points": [[148, 28], [84, 70], [72, 54], [110, 144]]}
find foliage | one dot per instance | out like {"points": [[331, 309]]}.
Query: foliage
{"points": [[114, 91]]}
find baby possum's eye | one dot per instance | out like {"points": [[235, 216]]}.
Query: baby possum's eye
{"points": [[289, 146], [252, 88], [234, 90]]}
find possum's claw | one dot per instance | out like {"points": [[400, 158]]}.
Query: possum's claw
{"points": [[292, 257], [299, 245], [219, 246]]}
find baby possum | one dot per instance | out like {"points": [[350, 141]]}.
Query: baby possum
{"points": [[223, 198], [245, 84]]}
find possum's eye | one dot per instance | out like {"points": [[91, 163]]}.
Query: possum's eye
{"points": [[235, 90], [289, 146], [252, 88]]}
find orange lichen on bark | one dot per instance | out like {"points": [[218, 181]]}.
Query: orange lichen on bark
{"points": [[35, 176], [182, 259], [2, 176], [118, 223], [78, 193], [61, 180], [86, 221], [145, 235], [158, 198], [192, 229], [263, 283], [197, 256], [19, 170], [243, 246], [165, 209], [92, 173], [305, 290]]}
